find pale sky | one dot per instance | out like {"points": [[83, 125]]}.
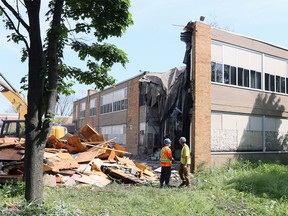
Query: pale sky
{"points": [[153, 42]]}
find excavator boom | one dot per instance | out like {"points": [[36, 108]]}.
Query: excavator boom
{"points": [[16, 127]]}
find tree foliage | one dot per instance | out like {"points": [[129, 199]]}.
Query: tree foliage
{"points": [[82, 26]]}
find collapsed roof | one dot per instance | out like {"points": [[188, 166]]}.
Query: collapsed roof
{"points": [[170, 94]]}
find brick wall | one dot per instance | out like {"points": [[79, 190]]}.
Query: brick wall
{"points": [[133, 116], [201, 87]]}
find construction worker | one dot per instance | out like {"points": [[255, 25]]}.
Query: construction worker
{"points": [[185, 161], [165, 162]]}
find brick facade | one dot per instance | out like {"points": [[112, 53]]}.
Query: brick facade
{"points": [[133, 116], [201, 90]]}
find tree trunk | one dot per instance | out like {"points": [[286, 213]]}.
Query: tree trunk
{"points": [[35, 142], [40, 103]]}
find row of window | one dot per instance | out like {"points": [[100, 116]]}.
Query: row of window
{"points": [[107, 108], [238, 76], [114, 107]]}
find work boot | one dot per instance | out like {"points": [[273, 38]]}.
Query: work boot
{"points": [[182, 184]]}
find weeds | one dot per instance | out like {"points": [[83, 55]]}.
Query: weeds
{"points": [[12, 189]]}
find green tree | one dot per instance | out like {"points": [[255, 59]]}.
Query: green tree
{"points": [[70, 22]]}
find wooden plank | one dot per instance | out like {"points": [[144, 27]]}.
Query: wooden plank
{"points": [[112, 155], [10, 154], [86, 156], [99, 181], [10, 178], [119, 174], [65, 156], [149, 173], [142, 166], [105, 147], [119, 150], [58, 163]]}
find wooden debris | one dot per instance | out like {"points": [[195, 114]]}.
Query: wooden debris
{"points": [[100, 181], [59, 163], [87, 156], [10, 141], [120, 150], [83, 159], [73, 144], [10, 154], [90, 134]]}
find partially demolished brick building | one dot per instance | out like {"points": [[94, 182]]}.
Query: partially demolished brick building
{"points": [[228, 100]]}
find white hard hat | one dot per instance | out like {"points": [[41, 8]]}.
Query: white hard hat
{"points": [[182, 140]]}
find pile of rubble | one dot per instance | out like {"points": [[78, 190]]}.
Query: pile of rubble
{"points": [[83, 159]]}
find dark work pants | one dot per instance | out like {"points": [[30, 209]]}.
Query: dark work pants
{"points": [[165, 175]]}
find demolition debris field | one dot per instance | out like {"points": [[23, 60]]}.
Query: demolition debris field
{"points": [[82, 159], [238, 189]]}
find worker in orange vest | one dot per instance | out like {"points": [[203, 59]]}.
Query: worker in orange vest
{"points": [[165, 162]]}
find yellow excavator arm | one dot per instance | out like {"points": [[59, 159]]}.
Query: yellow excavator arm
{"points": [[14, 97], [21, 106]]}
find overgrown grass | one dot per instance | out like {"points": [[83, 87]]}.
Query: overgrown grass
{"points": [[241, 188]]}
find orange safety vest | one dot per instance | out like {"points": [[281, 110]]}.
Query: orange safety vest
{"points": [[166, 157]]}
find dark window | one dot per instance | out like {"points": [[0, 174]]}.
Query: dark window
{"points": [[233, 75], [93, 111], [286, 85], [213, 71], [272, 83], [267, 82], [253, 78], [120, 105], [282, 84], [240, 76], [219, 73], [278, 84], [227, 74], [246, 78], [106, 108], [258, 80]]}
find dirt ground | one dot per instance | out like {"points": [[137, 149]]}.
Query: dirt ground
{"points": [[155, 165]]}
